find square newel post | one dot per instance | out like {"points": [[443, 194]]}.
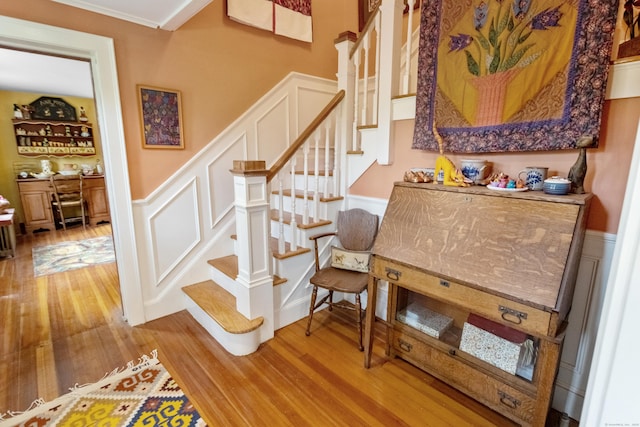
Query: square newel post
{"points": [[346, 81], [390, 47], [254, 296]]}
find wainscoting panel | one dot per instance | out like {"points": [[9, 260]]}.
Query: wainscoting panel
{"points": [[273, 131], [218, 176], [175, 230], [584, 318]]}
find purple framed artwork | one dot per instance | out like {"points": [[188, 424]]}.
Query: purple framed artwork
{"points": [[161, 115], [512, 75]]}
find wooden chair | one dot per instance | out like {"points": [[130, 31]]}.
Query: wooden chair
{"points": [[67, 193], [349, 264]]}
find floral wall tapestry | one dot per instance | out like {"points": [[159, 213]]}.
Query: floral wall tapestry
{"points": [[519, 75]]}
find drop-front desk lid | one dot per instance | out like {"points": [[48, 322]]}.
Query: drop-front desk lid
{"points": [[516, 244]]}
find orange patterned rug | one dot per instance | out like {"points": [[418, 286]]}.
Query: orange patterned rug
{"points": [[143, 394]]}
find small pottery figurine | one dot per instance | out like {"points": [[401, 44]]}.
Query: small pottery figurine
{"points": [[83, 115], [579, 169], [17, 112], [26, 111]]}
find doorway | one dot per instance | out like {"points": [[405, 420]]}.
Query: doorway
{"points": [[26, 35]]}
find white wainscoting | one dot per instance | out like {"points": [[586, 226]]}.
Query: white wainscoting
{"points": [[575, 362], [189, 219], [584, 318]]}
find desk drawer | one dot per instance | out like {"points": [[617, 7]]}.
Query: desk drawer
{"points": [[486, 389], [526, 318]]}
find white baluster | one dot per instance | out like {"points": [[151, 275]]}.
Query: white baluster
{"points": [[327, 154], [366, 44], [356, 101], [305, 191], [316, 175], [376, 85], [293, 224], [337, 145], [281, 240]]}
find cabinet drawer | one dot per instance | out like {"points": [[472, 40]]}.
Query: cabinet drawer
{"points": [[486, 389], [529, 319], [39, 185]]}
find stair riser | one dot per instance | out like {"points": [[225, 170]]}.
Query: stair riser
{"points": [[311, 182], [326, 209], [303, 233], [236, 344], [226, 282]]}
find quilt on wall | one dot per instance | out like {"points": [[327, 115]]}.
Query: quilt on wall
{"points": [[512, 75], [289, 18]]}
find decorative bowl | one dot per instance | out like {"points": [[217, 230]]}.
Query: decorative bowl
{"points": [[41, 175], [556, 185], [68, 173]]}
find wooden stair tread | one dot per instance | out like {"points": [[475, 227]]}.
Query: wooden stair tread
{"points": [[229, 266], [310, 194], [287, 220], [277, 280], [221, 306], [273, 245]]}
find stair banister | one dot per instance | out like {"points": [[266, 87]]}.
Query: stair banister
{"points": [[300, 140]]}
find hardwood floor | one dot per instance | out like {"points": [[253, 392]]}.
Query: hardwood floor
{"points": [[67, 328]]}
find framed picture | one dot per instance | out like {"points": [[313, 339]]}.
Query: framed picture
{"points": [[365, 7], [161, 115]]}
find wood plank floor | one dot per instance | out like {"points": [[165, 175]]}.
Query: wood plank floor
{"points": [[67, 328]]}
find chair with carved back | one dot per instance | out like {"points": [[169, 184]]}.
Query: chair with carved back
{"points": [[67, 195], [348, 269]]}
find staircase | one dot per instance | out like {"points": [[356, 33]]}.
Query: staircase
{"points": [[264, 284]]}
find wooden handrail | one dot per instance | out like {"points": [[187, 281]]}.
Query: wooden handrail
{"points": [[279, 164], [369, 23]]}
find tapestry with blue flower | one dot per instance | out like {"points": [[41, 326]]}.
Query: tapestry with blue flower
{"points": [[512, 75]]}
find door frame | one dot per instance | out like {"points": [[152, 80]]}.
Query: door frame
{"points": [[100, 52]]}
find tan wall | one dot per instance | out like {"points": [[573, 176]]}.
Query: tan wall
{"points": [[221, 67], [608, 165], [9, 157]]}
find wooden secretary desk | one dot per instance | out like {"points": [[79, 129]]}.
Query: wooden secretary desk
{"points": [[479, 278]]}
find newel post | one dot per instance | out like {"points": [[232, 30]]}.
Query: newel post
{"points": [[254, 296], [346, 81], [390, 47]]}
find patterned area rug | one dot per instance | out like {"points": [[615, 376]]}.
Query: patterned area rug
{"points": [[67, 256], [140, 395]]}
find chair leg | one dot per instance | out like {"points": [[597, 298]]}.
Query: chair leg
{"points": [[359, 314], [330, 300], [61, 213], [82, 212], [314, 295]]}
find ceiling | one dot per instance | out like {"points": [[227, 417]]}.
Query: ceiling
{"points": [[40, 73], [164, 14], [44, 74]]}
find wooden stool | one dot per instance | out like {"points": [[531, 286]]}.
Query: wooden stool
{"points": [[7, 234]]}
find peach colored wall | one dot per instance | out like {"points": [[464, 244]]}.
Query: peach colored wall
{"points": [[608, 165], [221, 67]]}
